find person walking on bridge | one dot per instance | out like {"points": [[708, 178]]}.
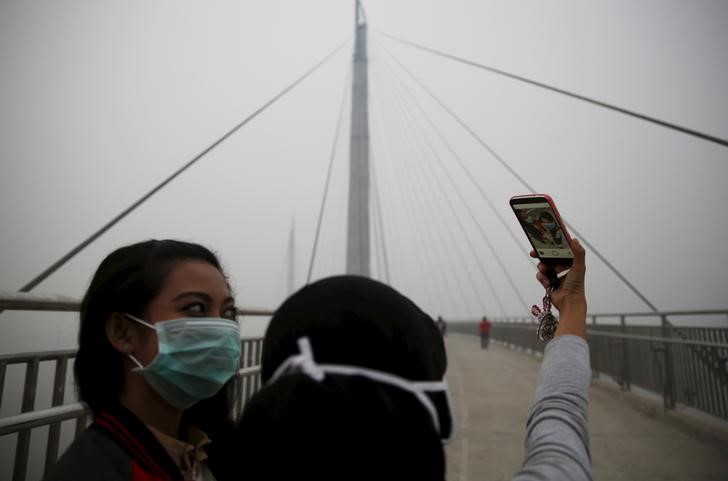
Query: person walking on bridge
{"points": [[484, 332], [442, 325]]}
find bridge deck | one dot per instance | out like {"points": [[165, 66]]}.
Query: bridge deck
{"points": [[492, 391]]}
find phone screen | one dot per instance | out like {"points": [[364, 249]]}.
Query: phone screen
{"points": [[542, 227]]}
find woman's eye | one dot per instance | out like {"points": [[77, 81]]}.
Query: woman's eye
{"points": [[194, 308], [231, 313]]}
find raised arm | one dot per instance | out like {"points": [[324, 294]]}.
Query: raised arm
{"points": [[557, 436]]}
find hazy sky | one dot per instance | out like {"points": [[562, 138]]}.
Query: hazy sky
{"points": [[101, 100]]}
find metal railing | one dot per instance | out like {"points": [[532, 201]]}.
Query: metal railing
{"points": [[29, 418], [686, 365], [249, 372], [23, 423]]}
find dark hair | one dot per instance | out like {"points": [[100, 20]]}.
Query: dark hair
{"points": [[358, 321], [126, 281], [346, 426]]}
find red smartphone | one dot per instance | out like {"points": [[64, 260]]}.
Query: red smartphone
{"points": [[544, 228]]}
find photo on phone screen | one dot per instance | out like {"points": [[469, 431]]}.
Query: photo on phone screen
{"points": [[543, 229]]}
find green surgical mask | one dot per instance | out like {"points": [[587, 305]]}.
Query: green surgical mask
{"points": [[196, 357]]}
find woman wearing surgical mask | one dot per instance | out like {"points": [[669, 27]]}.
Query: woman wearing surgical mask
{"points": [[159, 347]]}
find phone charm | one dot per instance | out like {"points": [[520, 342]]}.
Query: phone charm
{"points": [[547, 322]]}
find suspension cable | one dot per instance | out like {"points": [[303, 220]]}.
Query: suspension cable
{"points": [[422, 179], [443, 193], [525, 184], [474, 219], [431, 293], [405, 190], [376, 258], [56, 265], [457, 158], [380, 220], [424, 199], [631, 113], [376, 269], [328, 177]]}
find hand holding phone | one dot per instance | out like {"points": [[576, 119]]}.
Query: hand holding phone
{"points": [[570, 297], [558, 255]]}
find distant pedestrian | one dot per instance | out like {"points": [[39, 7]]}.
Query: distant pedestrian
{"points": [[484, 332], [441, 325]]}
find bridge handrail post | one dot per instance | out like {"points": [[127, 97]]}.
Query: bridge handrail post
{"points": [[670, 390], [54, 430], [626, 368], [22, 446], [3, 368], [595, 351]]}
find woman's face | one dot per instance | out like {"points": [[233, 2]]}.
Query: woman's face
{"points": [[192, 289]]}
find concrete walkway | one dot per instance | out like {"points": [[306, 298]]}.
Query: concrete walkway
{"points": [[492, 391]]}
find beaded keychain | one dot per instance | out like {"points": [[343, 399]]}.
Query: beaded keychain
{"points": [[547, 322]]}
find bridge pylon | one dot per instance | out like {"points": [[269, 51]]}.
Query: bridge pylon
{"points": [[357, 246]]}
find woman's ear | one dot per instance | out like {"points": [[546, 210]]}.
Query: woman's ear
{"points": [[120, 333]]}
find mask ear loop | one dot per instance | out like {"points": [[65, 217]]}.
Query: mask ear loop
{"points": [[440, 386], [386, 378], [135, 361], [144, 323], [304, 363]]}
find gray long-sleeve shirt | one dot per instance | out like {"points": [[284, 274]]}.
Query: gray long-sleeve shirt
{"points": [[557, 436]]}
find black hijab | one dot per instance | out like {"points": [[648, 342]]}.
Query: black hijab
{"points": [[345, 427], [359, 321]]}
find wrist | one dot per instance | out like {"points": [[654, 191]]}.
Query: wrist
{"points": [[572, 303], [572, 318]]}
